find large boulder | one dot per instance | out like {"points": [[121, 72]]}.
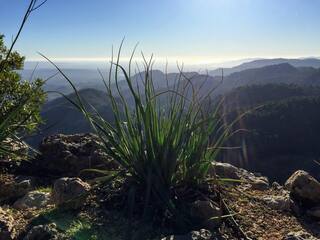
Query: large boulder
{"points": [[70, 192], [224, 170], [34, 199], [304, 189], [7, 230], [13, 187], [67, 155], [238, 175]]}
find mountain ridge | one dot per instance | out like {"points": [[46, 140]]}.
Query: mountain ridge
{"points": [[306, 62]]}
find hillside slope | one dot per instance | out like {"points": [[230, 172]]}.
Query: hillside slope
{"points": [[60, 116], [281, 134]]}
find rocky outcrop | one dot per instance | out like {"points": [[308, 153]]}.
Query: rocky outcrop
{"points": [[304, 189], [14, 187], [70, 192], [67, 155], [34, 199], [7, 231], [305, 192], [226, 170]]}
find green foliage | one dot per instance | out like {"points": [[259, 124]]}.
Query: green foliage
{"points": [[20, 101], [160, 147], [282, 133], [73, 226], [82, 227]]}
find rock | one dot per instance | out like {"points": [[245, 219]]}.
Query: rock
{"points": [[33, 199], [281, 203], [14, 187], [18, 147], [276, 186], [70, 192], [44, 232], [202, 234], [301, 235], [304, 188], [314, 212], [67, 155], [7, 231], [206, 213], [224, 170], [260, 183]]}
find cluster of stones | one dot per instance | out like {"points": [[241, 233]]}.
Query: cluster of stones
{"points": [[300, 195], [66, 156], [66, 193], [62, 156]]}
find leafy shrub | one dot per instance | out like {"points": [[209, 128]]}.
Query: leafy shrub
{"points": [[20, 101]]}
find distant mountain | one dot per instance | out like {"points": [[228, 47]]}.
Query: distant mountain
{"points": [[283, 73], [307, 62], [276, 74], [82, 78], [60, 116], [282, 134]]}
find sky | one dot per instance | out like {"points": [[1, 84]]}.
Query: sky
{"points": [[193, 31]]}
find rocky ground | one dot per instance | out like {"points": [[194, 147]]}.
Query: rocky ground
{"points": [[52, 198]]}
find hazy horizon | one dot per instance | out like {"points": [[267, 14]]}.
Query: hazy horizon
{"points": [[160, 64], [196, 32]]}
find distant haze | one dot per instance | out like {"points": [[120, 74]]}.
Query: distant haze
{"points": [[193, 31], [160, 63]]}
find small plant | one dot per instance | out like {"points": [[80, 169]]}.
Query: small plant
{"points": [[164, 142]]}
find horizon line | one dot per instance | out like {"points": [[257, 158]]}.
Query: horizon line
{"points": [[189, 60]]}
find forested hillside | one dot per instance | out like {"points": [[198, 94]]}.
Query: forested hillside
{"points": [[280, 129]]}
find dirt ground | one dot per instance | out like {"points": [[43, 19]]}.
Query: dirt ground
{"points": [[259, 221]]}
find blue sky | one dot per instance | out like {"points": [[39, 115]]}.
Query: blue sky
{"points": [[191, 30]]}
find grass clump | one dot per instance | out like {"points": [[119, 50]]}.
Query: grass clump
{"points": [[164, 142]]}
